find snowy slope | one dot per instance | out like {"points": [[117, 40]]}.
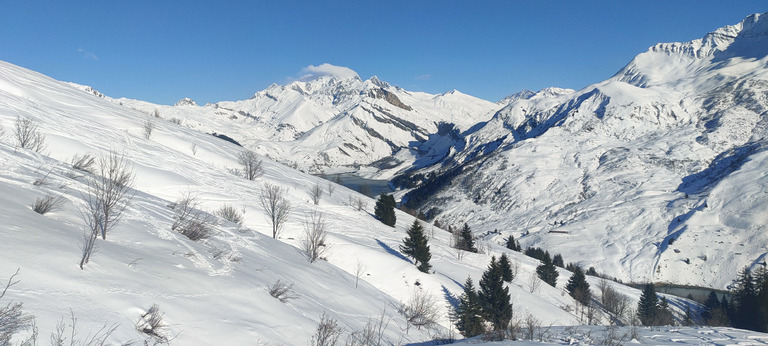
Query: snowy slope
{"points": [[332, 123], [655, 174], [213, 291]]}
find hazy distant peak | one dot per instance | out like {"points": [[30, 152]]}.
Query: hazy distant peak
{"points": [[185, 102]]}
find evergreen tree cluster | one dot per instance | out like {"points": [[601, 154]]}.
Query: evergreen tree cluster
{"points": [[512, 244], [385, 210], [578, 287], [750, 301], [491, 302], [716, 312], [415, 246], [547, 271]]}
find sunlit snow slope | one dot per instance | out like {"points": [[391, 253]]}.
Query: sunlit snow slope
{"points": [[658, 173]]}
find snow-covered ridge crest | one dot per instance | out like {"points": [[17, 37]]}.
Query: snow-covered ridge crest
{"points": [[313, 72]]}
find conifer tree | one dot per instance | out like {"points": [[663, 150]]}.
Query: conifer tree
{"points": [[469, 320], [512, 244], [648, 307], [747, 314], [465, 241], [415, 246], [506, 268], [578, 287], [385, 210], [558, 261], [494, 297], [547, 271]]}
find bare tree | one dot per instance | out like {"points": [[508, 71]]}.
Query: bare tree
{"points": [[534, 283], [107, 196], [316, 192], [93, 338], [421, 309], [27, 133], [152, 324], [359, 269], [251, 164], [331, 185], [313, 242], [276, 207], [108, 190], [149, 126], [327, 332], [12, 318]]}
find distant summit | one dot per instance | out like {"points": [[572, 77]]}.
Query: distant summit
{"points": [[530, 94], [185, 102]]}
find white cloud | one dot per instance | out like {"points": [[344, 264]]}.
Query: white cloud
{"points": [[423, 77], [313, 72], [86, 54]]}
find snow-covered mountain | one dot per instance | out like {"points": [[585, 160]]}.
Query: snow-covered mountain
{"points": [[332, 122], [530, 94], [216, 291], [657, 173]]}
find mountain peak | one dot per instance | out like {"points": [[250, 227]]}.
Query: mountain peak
{"points": [[313, 72], [185, 102]]}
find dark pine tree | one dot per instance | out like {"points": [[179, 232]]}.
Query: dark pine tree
{"points": [[385, 210], [415, 245], [578, 287], [747, 309], [648, 306], [469, 319], [547, 271], [558, 261], [506, 268], [512, 244], [465, 241], [494, 297], [711, 305]]}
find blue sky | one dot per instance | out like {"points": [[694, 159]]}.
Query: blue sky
{"points": [[162, 51]]}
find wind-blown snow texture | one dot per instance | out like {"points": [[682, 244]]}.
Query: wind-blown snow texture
{"points": [[656, 174]]}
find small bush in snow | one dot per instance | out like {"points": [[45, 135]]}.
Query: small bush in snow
{"points": [[282, 291], [327, 332], [27, 133], [152, 324], [313, 242], [148, 127], [190, 221], [12, 317], [316, 192], [421, 310], [48, 203], [83, 163], [230, 213]]}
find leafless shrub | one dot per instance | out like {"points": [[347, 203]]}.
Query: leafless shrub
{"points": [[42, 177], [148, 126], [421, 309], [313, 242], [12, 317], [27, 133], [331, 185], [152, 324], [613, 301], [276, 207], [189, 220], [176, 121], [357, 203], [48, 203], [251, 163], [327, 332], [194, 149], [97, 338], [107, 195], [156, 113], [534, 282], [282, 291], [316, 192], [372, 334], [359, 269], [83, 163], [230, 213]]}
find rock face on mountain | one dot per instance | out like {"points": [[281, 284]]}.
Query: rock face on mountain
{"points": [[333, 122], [654, 174]]}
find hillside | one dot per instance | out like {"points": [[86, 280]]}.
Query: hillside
{"points": [[656, 174]]}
